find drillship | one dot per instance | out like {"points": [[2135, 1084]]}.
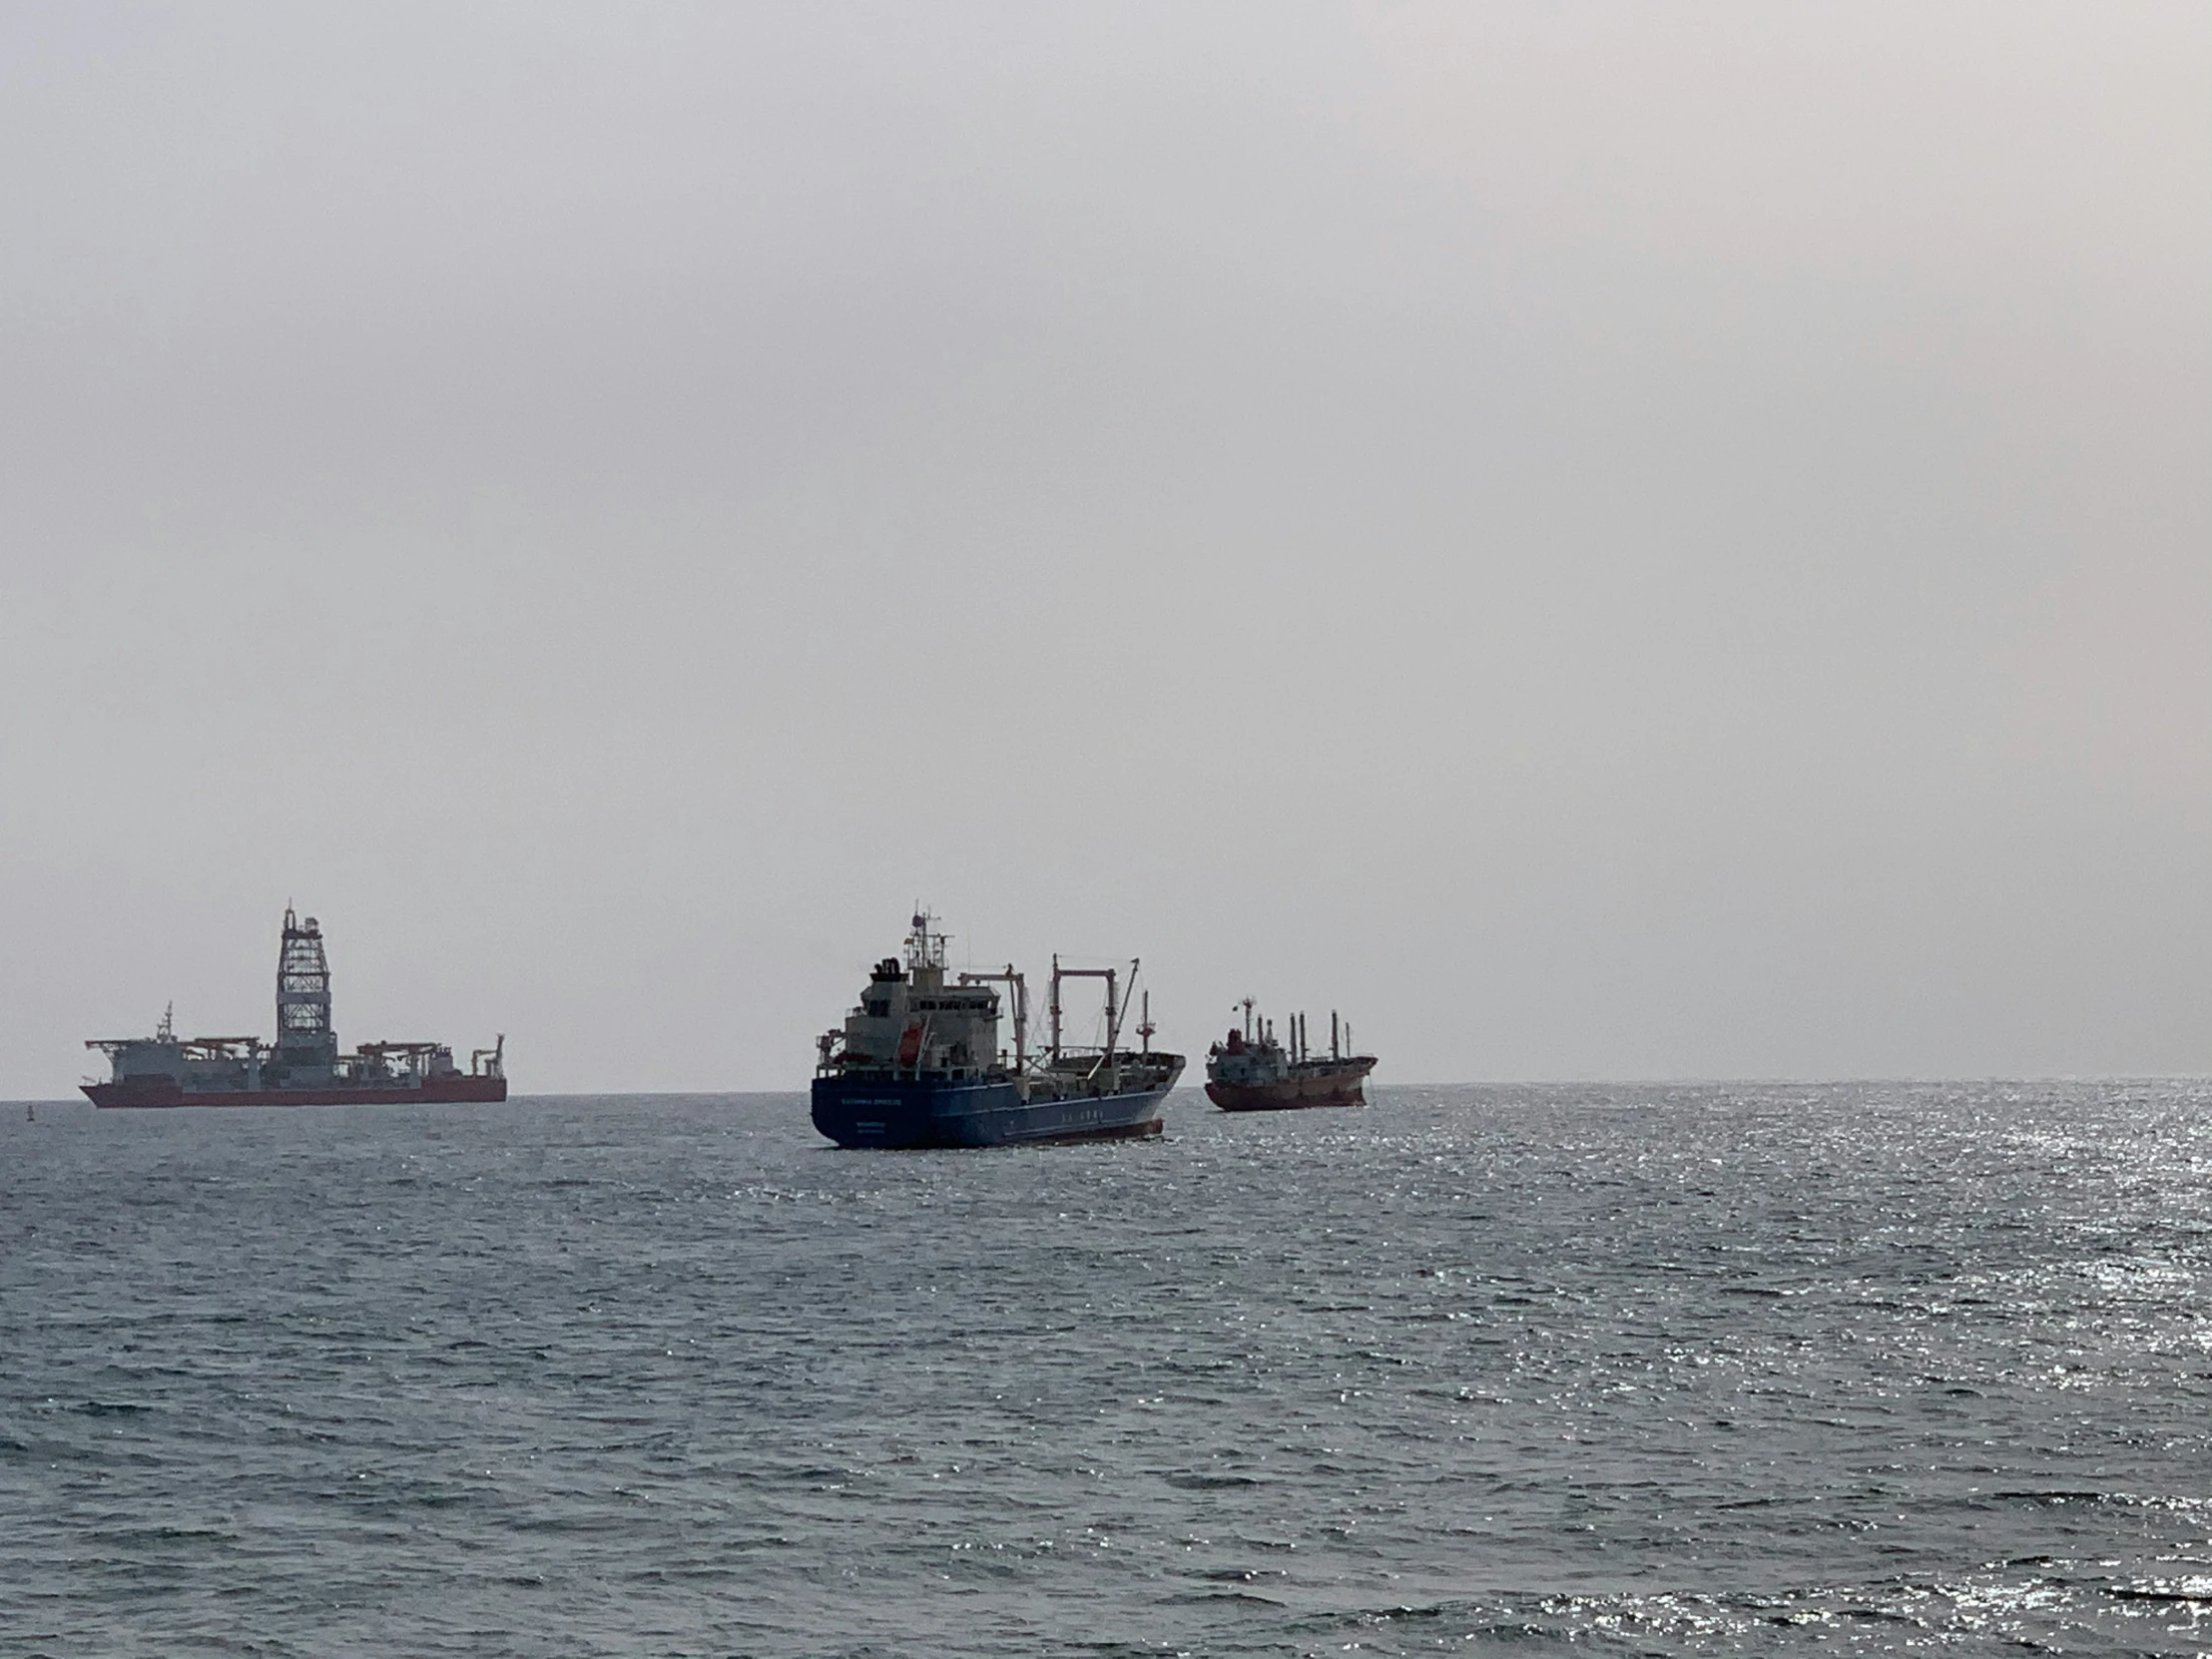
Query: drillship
{"points": [[303, 1067], [918, 1062], [1252, 1072]]}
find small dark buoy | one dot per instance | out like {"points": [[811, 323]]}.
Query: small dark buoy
{"points": [[30, 1111]]}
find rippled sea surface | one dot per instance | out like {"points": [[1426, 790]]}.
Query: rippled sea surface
{"points": [[1729, 1369]]}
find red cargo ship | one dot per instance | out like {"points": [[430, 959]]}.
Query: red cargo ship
{"points": [[1250, 1072], [303, 1067]]}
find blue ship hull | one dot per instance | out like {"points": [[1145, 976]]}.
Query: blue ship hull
{"points": [[918, 1112]]}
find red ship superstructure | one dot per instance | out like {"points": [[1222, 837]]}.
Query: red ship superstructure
{"points": [[303, 1067], [1248, 1071]]}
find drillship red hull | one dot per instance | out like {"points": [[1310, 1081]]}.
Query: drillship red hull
{"points": [[163, 1091], [1338, 1086]]}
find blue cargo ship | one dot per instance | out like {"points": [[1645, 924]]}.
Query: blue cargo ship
{"points": [[918, 1062]]}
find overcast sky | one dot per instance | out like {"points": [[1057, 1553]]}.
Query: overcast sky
{"points": [[1601, 540]]}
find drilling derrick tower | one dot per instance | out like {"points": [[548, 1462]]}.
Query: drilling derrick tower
{"points": [[303, 1067], [306, 1041]]}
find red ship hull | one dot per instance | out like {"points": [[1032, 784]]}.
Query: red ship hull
{"points": [[1335, 1088], [163, 1091]]}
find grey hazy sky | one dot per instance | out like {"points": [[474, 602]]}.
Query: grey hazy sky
{"points": [[1603, 540]]}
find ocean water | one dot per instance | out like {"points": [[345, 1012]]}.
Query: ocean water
{"points": [[1650, 1370]]}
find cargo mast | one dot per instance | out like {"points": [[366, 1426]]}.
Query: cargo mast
{"points": [[1019, 1007], [1114, 1011]]}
